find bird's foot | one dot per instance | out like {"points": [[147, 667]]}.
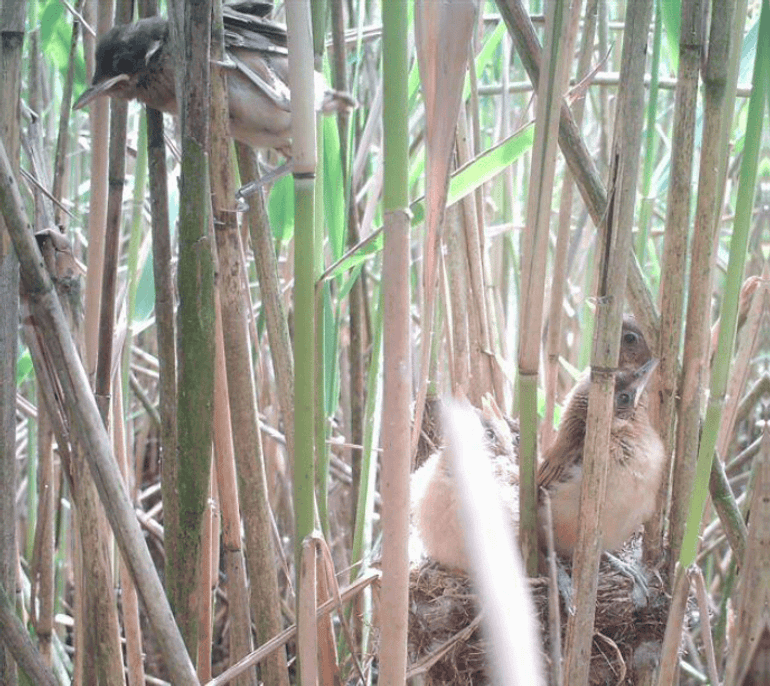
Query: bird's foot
{"points": [[640, 592], [252, 187]]}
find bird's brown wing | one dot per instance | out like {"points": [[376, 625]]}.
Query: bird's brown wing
{"points": [[259, 8], [556, 463], [547, 473], [257, 48], [262, 76], [245, 30]]}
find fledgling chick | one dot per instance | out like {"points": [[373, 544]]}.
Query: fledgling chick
{"points": [[634, 351], [435, 500], [136, 61], [495, 564], [635, 463]]}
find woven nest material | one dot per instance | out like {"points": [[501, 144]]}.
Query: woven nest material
{"points": [[446, 646]]}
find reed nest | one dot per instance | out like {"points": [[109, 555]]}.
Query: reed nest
{"points": [[446, 645]]}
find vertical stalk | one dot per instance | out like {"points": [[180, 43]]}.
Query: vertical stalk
{"points": [[229, 306], [672, 280], [697, 334], [11, 40], [616, 247], [134, 242], [471, 249], [365, 488], [43, 555], [62, 139], [116, 180], [130, 600], [304, 151], [739, 240], [357, 326], [747, 657], [164, 306], [457, 290], [241, 423], [195, 333], [553, 81], [277, 326], [442, 38], [647, 203], [556, 296], [164, 320], [97, 208], [322, 291], [396, 347]]}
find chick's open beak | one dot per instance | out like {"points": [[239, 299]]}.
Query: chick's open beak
{"points": [[642, 377]]}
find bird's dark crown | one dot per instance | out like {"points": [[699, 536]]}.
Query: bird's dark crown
{"points": [[128, 48]]}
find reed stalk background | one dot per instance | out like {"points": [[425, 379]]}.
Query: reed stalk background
{"points": [[444, 236]]}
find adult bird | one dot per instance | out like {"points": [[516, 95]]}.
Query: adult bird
{"points": [[136, 61]]}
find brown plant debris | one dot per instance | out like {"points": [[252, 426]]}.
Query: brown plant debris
{"points": [[442, 605]]}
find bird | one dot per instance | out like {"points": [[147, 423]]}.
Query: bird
{"points": [[634, 351], [435, 503], [136, 61], [434, 498], [635, 464]]}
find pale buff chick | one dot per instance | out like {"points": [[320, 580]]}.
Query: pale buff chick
{"points": [[435, 500], [635, 464]]}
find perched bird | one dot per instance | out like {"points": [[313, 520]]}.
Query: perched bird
{"points": [[635, 463], [137, 61], [435, 500]]}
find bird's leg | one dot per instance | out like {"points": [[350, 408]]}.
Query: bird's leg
{"points": [[270, 177], [640, 592]]}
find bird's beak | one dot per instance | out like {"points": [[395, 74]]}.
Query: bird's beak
{"points": [[101, 88], [643, 375]]}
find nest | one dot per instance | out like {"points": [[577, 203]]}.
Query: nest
{"points": [[446, 645]]}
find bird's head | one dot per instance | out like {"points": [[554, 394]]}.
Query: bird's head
{"points": [[498, 431], [122, 53], [629, 388], [634, 351]]}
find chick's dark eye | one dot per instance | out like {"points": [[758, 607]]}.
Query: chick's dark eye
{"points": [[630, 338], [624, 399]]}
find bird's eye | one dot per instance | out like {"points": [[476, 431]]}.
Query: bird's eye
{"points": [[624, 399], [630, 338], [124, 65]]}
